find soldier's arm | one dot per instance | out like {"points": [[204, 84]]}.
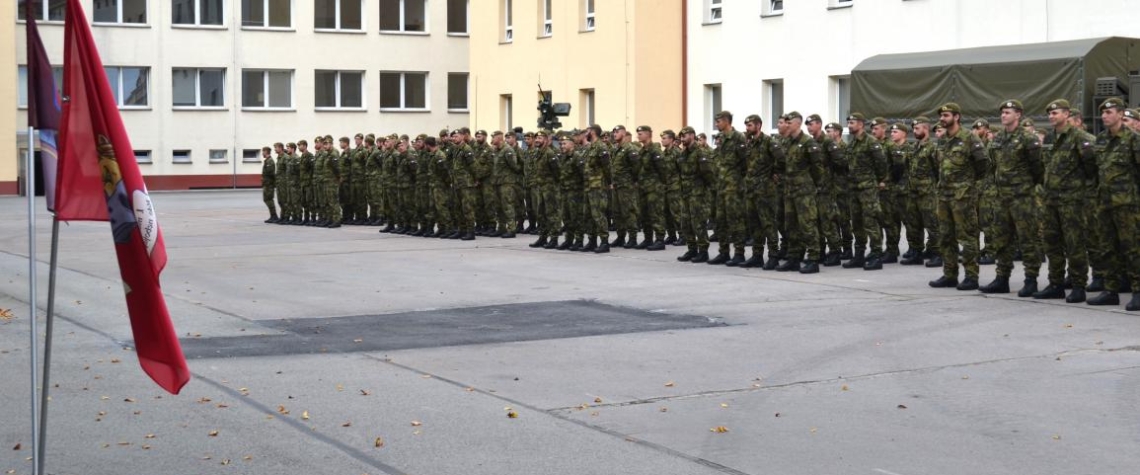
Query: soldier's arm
{"points": [[815, 163], [1087, 151], [777, 154], [879, 162], [1033, 156], [834, 157], [978, 157]]}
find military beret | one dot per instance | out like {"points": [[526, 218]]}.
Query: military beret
{"points": [[753, 119], [1011, 104], [421, 136], [302, 142], [980, 123], [857, 116], [793, 115], [359, 135], [528, 134], [1028, 123], [1058, 104], [1131, 114], [687, 130], [291, 145], [878, 121], [465, 130], [370, 136], [344, 139], [430, 141], [481, 132], [541, 133], [645, 128], [496, 133], [922, 120], [995, 129], [669, 133], [404, 137], [900, 127], [952, 107], [833, 126], [328, 137], [618, 127], [939, 126], [726, 115], [814, 118], [596, 128], [393, 137], [1112, 103], [443, 132]]}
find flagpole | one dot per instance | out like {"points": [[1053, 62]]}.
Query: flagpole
{"points": [[30, 190], [46, 379]]}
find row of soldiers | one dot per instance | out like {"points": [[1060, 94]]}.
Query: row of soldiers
{"points": [[809, 198]]}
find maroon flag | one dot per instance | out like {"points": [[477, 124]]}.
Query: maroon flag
{"points": [[43, 103], [99, 180]]}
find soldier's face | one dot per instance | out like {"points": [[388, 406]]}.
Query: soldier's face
{"points": [[688, 139], [751, 128], [940, 132], [529, 141], [278, 149], [946, 118], [1131, 123], [567, 145], [292, 150], [879, 130], [644, 136], [480, 138], [497, 140], [1074, 121], [921, 130], [722, 124], [419, 144], [814, 127], [512, 140], [981, 132], [304, 147], [898, 136], [265, 154], [1058, 117], [1010, 118], [359, 141], [835, 134], [1111, 117], [854, 126], [666, 141]]}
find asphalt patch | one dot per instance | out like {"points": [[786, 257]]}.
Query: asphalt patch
{"points": [[444, 327]]}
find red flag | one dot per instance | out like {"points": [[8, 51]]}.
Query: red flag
{"points": [[99, 180], [43, 104]]}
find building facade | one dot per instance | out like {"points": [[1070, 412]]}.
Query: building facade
{"points": [[614, 61], [8, 157], [204, 84], [770, 56]]}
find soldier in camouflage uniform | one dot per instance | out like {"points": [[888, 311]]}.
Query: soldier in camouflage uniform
{"points": [[388, 184], [532, 192], [891, 219], [572, 197], [546, 170], [506, 173], [698, 177], [921, 174], [867, 169], [320, 168], [799, 177], [333, 179], [731, 163], [308, 200], [283, 186], [347, 157], [439, 168], [358, 200], [371, 182], [674, 198], [484, 164], [1118, 205], [421, 188], [294, 170], [1016, 170], [406, 187], [624, 169], [595, 170], [466, 191], [841, 187], [962, 163], [269, 183], [833, 158], [650, 182], [899, 153], [1069, 164], [988, 199], [761, 192]]}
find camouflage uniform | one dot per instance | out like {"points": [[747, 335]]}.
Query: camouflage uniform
{"points": [[597, 162], [832, 157], [269, 185], [406, 166], [308, 198], [332, 179], [546, 173], [344, 194], [359, 184], [841, 190], [698, 177], [800, 180], [425, 210], [624, 170], [482, 168], [462, 159], [1118, 205], [320, 169], [921, 174], [505, 176], [439, 166], [532, 191], [1016, 170], [731, 163], [867, 167], [891, 221], [764, 151], [388, 185], [674, 198], [374, 192], [573, 200], [962, 163], [294, 171], [1069, 164], [652, 187]]}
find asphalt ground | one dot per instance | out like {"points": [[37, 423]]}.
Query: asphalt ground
{"points": [[347, 351]]}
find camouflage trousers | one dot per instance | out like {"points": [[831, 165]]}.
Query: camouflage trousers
{"points": [[1099, 250], [891, 220], [508, 201], [441, 200], [308, 201], [1120, 234], [1015, 221], [958, 226], [920, 217], [332, 202], [625, 210], [359, 199], [295, 199], [424, 205], [1065, 233], [865, 213], [573, 204], [392, 204], [345, 198], [283, 200], [761, 220], [988, 207], [488, 206], [830, 238], [730, 213], [468, 199], [595, 209], [409, 209], [695, 230], [549, 221], [843, 206], [375, 199], [801, 212], [674, 211], [267, 193], [532, 204], [653, 212]]}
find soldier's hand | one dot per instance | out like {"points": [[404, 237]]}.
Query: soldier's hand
{"points": [[882, 186]]}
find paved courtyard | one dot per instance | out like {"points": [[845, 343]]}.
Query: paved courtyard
{"points": [[347, 351]]}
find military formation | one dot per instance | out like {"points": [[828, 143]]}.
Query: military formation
{"points": [[802, 198]]}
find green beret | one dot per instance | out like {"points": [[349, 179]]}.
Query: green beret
{"points": [[1011, 104], [645, 128], [793, 115], [541, 133], [981, 123], [753, 119], [900, 127], [443, 132], [857, 116], [668, 133], [421, 136], [726, 115], [1027, 123], [878, 121], [481, 132], [687, 130], [833, 126], [1131, 114], [922, 120], [1113, 103], [814, 118], [951, 107], [393, 137], [1058, 104], [528, 135]]}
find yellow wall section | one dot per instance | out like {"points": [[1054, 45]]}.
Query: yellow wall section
{"points": [[8, 96], [631, 60]]}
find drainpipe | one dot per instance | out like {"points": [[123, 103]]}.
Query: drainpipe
{"points": [[684, 61]]}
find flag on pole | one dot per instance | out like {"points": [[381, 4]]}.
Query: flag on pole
{"points": [[99, 180], [43, 103]]}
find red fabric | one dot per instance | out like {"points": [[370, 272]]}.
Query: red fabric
{"points": [[99, 180]]}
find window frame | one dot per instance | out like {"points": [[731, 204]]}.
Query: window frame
{"points": [[120, 94], [768, 90], [197, 89], [547, 19], [255, 158], [589, 17], [714, 12], [403, 20], [44, 12], [338, 92], [145, 153], [265, 84], [22, 84], [403, 92], [466, 20], [769, 8], [265, 21], [176, 160], [216, 161], [467, 95], [338, 28], [198, 18], [839, 4], [508, 21], [119, 16]]}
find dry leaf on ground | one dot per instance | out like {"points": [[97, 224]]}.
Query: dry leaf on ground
{"points": [[719, 429]]}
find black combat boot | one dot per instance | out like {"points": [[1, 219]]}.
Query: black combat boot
{"points": [[789, 265], [756, 260], [810, 267], [679, 242], [1096, 285], [1051, 291], [915, 259], [687, 256], [539, 243], [497, 233], [970, 283], [530, 228], [909, 254], [576, 245], [1134, 304], [592, 245], [1029, 288], [736, 260], [832, 259], [619, 240], [672, 238], [1106, 297], [772, 263], [1076, 296], [552, 243], [631, 243], [603, 247], [873, 262], [1068, 282], [846, 255], [986, 260], [645, 242], [855, 262], [656, 246], [943, 282], [890, 258], [702, 256], [720, 259], [508, 235], [566, 244], [935, 261], [391, 227], [1000, 285], [469, 236]]}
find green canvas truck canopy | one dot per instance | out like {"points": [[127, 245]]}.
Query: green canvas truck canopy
{"points": [[898, 86]]}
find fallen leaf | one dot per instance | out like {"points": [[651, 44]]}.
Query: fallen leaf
{"points": [[777, 414], [222, 406], [213, 433], [103, 398], [902, 406], [664, 409], [966, 377], [137, 412], [17, 447], [130, 399], [347, 424], [719, 429], [247, 458], [102, 413], [813, 429], [1056, 437], [269, 417], [598, 400], [203, 400], [379, 442], [149, 436], [115, 361], [206, 457], [417, 423], [669, 384], [724, 405], [512, 415], [145, 447], [124, 444], [365, 392], [469, 389], [340, 387], [1068, 325], [225, 461], [282, 410], [358, 340], [594, 414], [304, 415], [844, 388], [426, 376]]}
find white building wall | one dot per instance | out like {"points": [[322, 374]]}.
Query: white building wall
{"points": [[812, 42], [162, 46]]}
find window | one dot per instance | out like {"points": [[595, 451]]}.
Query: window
{"points": [[267, 89], [180, 156], [714, 11], [195, 87], [218, 156], [508, 21], [196, 12], [120, 11], [340, 89], [143, 157], [586, 96], [338, 15], [403, 15], [46, 10], [22, 83], [772, 8], [713, 104], [547, 18], [267, 13], [251, 155], [457, 17], [457, 91], [130, 85], [506, 111], [588, 24], [833, 4], [403, 91], [774, 95], [841, 90]]}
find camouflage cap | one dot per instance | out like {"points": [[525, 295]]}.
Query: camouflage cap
{"points": [[793, 115], [879, 121], [443, 132], [1113, 103], [833, 126], [344, 139], [465, 130], [726, 115], [1131, 114], [814, 118], [1011, 104], [645, 128], [421, 136], [921, 120], [668, 133], [951, 107], [393, 137], [900, 127], [686, 130], [496, 133], [857, 116], [528, 135], [1058, 104], [980, 123], [753, 119], [481, 132]]}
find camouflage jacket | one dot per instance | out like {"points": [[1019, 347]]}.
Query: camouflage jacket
{"points": [[268, 174], [1069, 166], [651, 177], [866, 163], [731, 161], [1118, 168], [1017, 165], [802, 167], [922, 167]]}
